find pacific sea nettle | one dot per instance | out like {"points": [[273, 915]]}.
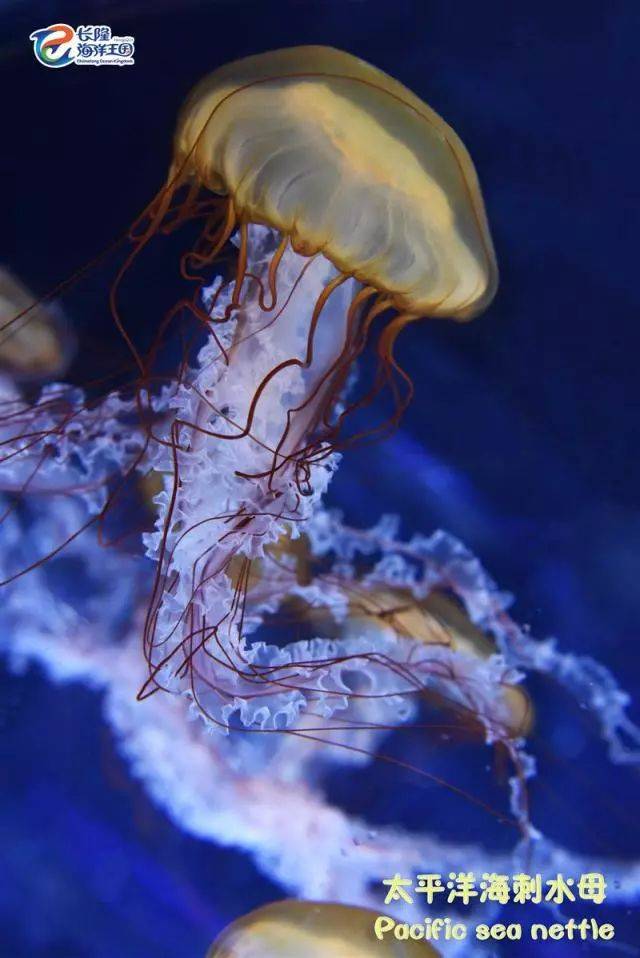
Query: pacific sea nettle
{"points": [[351, 209], [348, 200]]}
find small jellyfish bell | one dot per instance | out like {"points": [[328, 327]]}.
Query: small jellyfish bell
{"points": [[36, 343], [289, 929]]}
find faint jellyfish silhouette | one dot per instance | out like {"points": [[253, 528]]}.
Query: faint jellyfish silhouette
{"points": [[35, 343], [288, 929], [388, 614], [438, 621]]}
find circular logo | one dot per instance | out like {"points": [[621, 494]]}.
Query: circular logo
{"points": [[54, 46]]}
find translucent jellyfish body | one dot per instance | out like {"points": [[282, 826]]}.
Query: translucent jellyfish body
{"points": [[220, 572], [371, 204], [289, 929]]}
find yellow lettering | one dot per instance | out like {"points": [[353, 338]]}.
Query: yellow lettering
{"points": [[382, 925]]}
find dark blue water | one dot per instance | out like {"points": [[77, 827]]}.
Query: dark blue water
{"points": [[522, 439]]}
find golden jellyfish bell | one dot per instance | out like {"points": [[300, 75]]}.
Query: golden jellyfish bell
{"points": [[290, 929], [345, 161], [435, 620], [35, 342], [438, 620]]}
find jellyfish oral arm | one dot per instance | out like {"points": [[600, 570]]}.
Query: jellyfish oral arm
{"points": [[277, 372], [243, 464]]}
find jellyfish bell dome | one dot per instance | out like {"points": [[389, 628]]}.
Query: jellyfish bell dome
{"points": [[289, 929], [345, 161], [36, 341]]}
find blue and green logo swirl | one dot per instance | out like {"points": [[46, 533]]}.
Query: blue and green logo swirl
{"points": [[54, 46]]}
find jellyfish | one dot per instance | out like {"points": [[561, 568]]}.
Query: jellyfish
{"points": [[287, 929], [350, 201], [352, 209], [39, 344]]}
